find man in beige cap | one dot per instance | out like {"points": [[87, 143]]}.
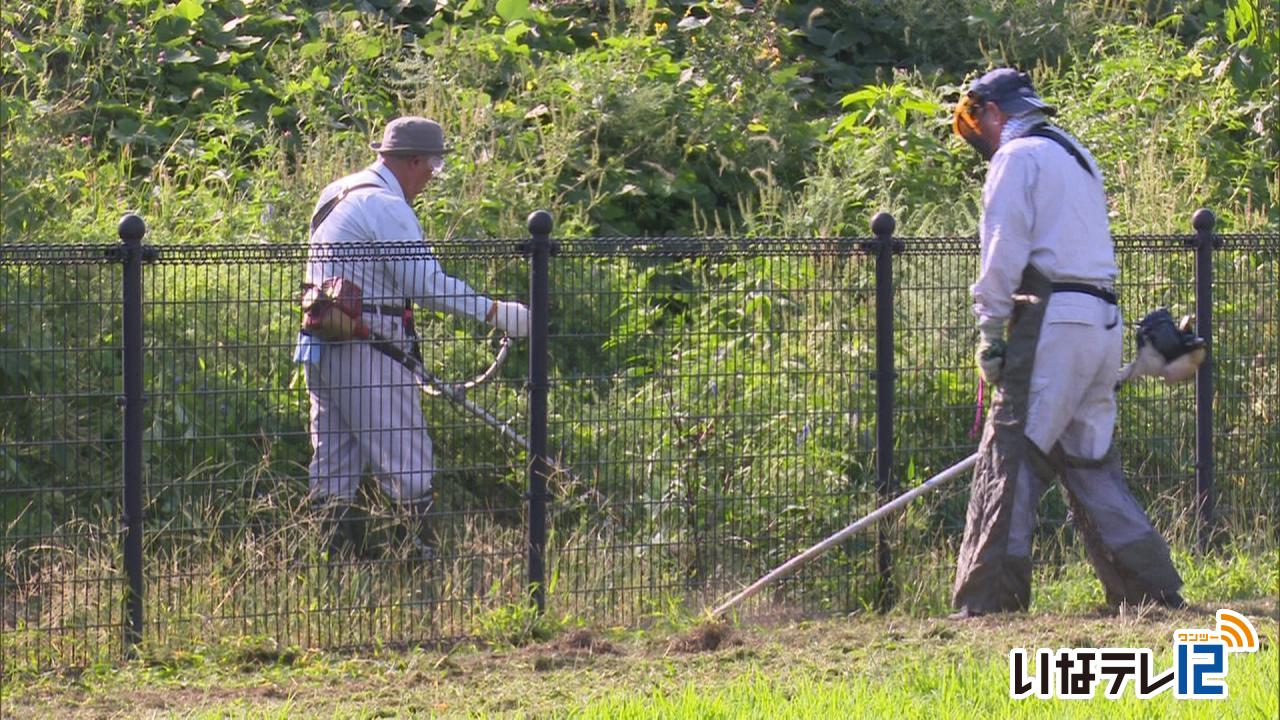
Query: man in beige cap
{"points": [[365, 407]]}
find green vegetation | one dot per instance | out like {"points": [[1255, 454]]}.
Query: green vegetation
{"points": [[219, 122], [864, 666]]}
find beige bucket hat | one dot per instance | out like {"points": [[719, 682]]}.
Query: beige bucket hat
{"points": [[412, 135]]}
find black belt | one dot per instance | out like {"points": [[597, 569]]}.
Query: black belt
{"points": [[1087, 289], [390, 310]]}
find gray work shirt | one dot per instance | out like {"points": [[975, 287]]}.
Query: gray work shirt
{"points": [[1039, 206], [373, 238]]}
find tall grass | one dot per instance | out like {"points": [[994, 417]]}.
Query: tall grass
{"points": [[273, 586], [1166, 101]]}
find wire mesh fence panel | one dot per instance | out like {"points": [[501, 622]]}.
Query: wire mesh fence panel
{"points": [[60, 471], [237, 544], [713, 410], [225, 446], [938, 409], [1246, 356], [712, 413]]}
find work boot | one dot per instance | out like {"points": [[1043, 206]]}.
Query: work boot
{"points": [[344, 532], [964, 613]]}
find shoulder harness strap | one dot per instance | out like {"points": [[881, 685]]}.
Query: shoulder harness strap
{"points": [[328, 207], [1051, 133]]}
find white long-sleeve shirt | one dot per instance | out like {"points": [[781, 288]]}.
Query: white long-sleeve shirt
{"points": [[1039, 206], [373, 238]]}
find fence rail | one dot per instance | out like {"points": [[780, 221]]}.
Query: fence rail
{"points": [[694, 410]]}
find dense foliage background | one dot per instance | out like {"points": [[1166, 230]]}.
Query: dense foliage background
{"points": [[218, 121]]}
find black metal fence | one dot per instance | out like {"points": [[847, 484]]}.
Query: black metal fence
{"points": [[696, 412]]}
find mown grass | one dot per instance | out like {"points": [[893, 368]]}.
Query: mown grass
{"points": [[774, 663], [929, 688], [864, 666]]}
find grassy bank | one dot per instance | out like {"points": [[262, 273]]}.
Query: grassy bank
{"points": [[219, 122], [864, 666], [673, 664]]}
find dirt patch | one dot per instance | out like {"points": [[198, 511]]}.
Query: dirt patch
{"points": [[707, 637], [576, 648], [584, 641], [575, 644]]}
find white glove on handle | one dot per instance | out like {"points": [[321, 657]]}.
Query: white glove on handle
{"points": [[991, 350], [511, 318]]}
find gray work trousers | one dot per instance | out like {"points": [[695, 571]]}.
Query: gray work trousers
{"points": [[366, 411]]}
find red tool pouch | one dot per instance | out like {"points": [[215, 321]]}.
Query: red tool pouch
{"points": [[331, 310]]}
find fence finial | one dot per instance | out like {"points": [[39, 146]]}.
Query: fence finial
{"points": [[540, 222], [1203, 220], [131, 228], [883, 224]]}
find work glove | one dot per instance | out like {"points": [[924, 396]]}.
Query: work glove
{"points": [[511, 318], [991, 350]]}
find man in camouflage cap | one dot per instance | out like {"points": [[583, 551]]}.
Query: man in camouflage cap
{"points": [[1049, 343]]}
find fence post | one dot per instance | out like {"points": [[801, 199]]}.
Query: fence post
{"points": [[131, 230], [1205, 242], [884, 246], [540, 249]]}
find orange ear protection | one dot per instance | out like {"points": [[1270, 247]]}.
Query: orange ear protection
{"points": [[965, 124]]}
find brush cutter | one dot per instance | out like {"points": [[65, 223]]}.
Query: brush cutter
{"points": [[1164, 350], [332, 311]]}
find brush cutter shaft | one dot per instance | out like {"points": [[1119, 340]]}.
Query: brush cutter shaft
{"points": [[897, 503], [803, 558], [456, 393]]}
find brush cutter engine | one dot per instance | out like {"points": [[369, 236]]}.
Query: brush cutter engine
{"points": [[1167, 350]]}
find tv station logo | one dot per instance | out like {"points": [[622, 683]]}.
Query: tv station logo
{"points": [[1199, 670]]}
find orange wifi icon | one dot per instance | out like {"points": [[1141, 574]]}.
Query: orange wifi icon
{"points": [[1237, 632]]}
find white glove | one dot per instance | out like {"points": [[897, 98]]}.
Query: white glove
{"points": [[991, 350], [511, 318]]}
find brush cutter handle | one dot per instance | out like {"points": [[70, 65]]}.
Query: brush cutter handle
{"points": [[434, 386]]}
